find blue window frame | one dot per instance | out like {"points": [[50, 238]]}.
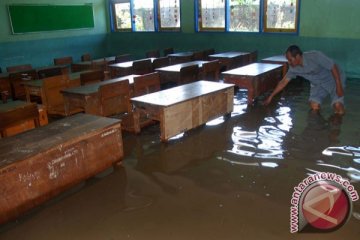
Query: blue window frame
{"points": [[145, 15], [281, 16]]}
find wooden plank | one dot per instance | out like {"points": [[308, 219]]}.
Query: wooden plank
{"points": [[17, 116], [39, 164], [27, 124]]}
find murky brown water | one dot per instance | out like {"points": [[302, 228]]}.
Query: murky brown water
{"points": [[229, 179]]}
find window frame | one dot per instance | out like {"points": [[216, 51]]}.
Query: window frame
{"points": [[113, 17], [132, 11], [156, 18], [262, 20], [281, 30], [167, 29], [198, 15]]}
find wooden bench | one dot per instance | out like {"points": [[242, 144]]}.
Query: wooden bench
{"points": [[17, 116], [53, 99], [39, 164], [172, 73], [257, 78], [187, 106], [127, 68], [87, 97], [16, 79]]}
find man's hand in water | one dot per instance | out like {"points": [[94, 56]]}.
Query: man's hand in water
{"points": [[267, 100]]}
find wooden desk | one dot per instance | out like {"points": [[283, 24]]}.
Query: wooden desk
{"points": [[279, 59], [171, 73], [180, 57], [19, 116], [86, 97], [185, 107], [5, 83], [257, 78], [65, 69], [123, 68], [39, 164], [35, 87], [226, 59], [87, 65]]}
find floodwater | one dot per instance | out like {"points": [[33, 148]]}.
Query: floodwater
{"points": [[229, 179]]}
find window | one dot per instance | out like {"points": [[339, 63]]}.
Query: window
{"points": [[244, 16], [248, 15], [169, 14], [142, 16], [121, 11], [212, 15], [281, 15]]}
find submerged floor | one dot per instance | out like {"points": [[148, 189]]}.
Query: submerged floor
{"points": [[229, 179]]}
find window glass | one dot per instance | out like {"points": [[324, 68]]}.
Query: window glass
{"points": [[169, 14], [281, 15], [244, 15], [122, 15], [212, 14], [143, 15]]}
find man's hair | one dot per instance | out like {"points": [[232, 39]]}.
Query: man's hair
{"points": [[294, 50]]}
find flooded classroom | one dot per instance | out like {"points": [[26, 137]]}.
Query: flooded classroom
{"points": [[225, 179], [179, 120]]}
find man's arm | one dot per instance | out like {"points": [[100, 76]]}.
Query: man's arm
{"points": [[336, 75], [279, 87]]}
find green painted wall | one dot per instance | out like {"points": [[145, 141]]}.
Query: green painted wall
{"points": [[39, 49], [330, 19], [327, 25]]}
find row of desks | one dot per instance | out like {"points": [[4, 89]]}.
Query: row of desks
{"points": [[41, 163], [257, 78]]}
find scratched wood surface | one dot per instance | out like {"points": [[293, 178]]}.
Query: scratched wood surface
{"points": [[41, 163]]}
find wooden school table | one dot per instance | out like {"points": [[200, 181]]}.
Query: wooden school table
{"points": [[279, 59], [187, 106], [180, 57], [88, 65], [257, 78], [41, 163], [86, 97], [35, 87], [172, 73], [226, 59], [123, 68]]}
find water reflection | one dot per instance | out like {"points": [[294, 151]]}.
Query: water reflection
{"points": [[260, 133], [324, 134], [318, 133]]}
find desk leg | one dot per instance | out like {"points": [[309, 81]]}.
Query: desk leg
{"points": [[27, 91], [67, 106], [162, 127], [250, 97], [136, 119]]}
